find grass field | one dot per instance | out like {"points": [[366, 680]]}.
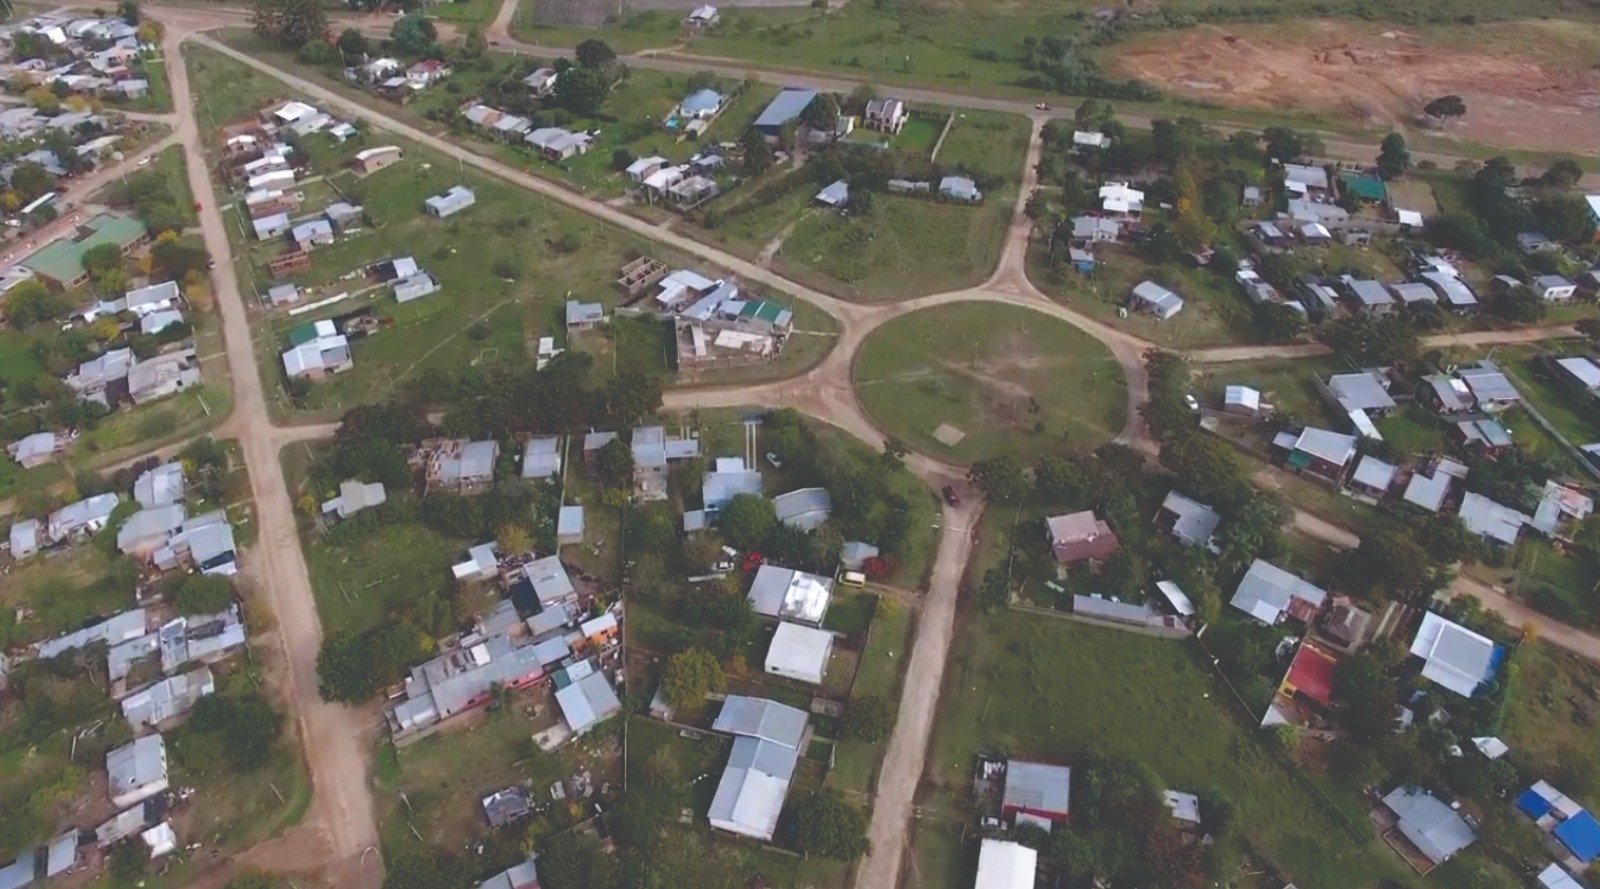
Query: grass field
{"points": [[1057, 691], [1550, 694], [358, 585], [880, 672], [904, 247], [985, 369], [1213, 314]]}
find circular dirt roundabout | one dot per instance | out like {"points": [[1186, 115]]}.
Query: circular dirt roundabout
{"points": [[970, 381]]}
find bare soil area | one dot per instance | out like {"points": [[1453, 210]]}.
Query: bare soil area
{"points": [[1526, 85]]}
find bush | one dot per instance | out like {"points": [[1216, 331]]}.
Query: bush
{"points": [[202, 594], [870, 718]]}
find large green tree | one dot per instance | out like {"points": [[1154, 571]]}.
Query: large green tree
{"points": [[827, 824], [582, 90], [747, 520], [1000, 478], [1394, 158], [690, 676], [415, 35], [289, 23]]}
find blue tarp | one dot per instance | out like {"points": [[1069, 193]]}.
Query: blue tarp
{"points": [[1533, 804], [1581, 834]]}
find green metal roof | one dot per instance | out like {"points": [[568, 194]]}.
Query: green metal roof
{"points": [[305, 333], [1367, 188], [63, 260]]}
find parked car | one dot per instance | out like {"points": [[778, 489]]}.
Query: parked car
{"points": [[950, 496]]}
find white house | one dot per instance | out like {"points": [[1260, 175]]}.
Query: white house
{"points": [[887, 115], [799, 653]]}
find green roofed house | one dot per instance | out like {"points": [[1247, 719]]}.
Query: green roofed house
{"points": [[1363, 187], [60, 263]]}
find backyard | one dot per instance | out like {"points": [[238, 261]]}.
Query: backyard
{"points": [[990, 380], [1550, 724], [1005, 691]]}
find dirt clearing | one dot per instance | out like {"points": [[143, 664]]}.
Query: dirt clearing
{"points": [[1528, 85]]}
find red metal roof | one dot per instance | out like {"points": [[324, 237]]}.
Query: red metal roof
{"points": [[1311, 673]]}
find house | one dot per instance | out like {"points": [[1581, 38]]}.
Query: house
{"points": [[1095, 229], [1554, 288], [1446, 394], [136, 771], [1455, 292], [1148, 296], [569, 525], [160, 486], [354, 496], [163, 375], [549, 580], [729, 478], [1346, 622], [584, 316], [415, 287], [1370, 297], [458, 464], [1435, 829], [522, 876], [342, 214], [542, 81], [782, 111], [168, 699], [1242, 401], [885, 115], [835, 195], [1080, 537], [147, 530], [1119, 200], [558, 144], [1429, 491], [24, 539], [542, 457], [1492, 521], [1268, 593], [451, 202], [1037, 793], [40, 448], [20, 873], [1081, 139], [324, 352], [204, 542], [1578, 372], [428, 72], [1535, 242], [1490, 388], [799, 653], [83, 518], [1324, 453], [457, 681], [653, 453], [1003, 864], [1366, 391], [587, 698], [803, 508], [1362, 188], [313, 233], [1559, 507], [59, 264], [786, 594], [1413, 292], [61, 856], [506, 806], [766, 748], [1453, 656], [960, 188], [644, 167], [701, 104], [1373, 477], [482, 563], [1323, 214], [1251, 197], [702, 17], [1306, 181]]}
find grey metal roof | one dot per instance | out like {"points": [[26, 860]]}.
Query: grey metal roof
{"points": [[1157, 297], [1369, 293], [1374, 473], [588, 702], [763, 719], [1428, 492], [1039, 788], [1485, 431], [1195, 522], [63, 853], [148, 524], [522, 876], [786, 107], [788, 594], [855, 553], [169, 698], [1363, 390], [805, 508], [750, 794], [137, 765], [1453, 289], [1415, 292], [834, 193], [1492, 520], [18, 873], [569, 521], [1333, 447], [1433, 827], [116, 629], [1267, 591], [549, 578], [542, 457], [1488, 383], [456, 199], [584, 313], [1452, 393], [959, 187], [475, 461], [160, 486]]}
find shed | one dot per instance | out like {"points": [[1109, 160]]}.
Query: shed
{"points": [[1157, 300], [799, 652], [1003, 864], [1555, 877], [451, 202], [836, 194], [1176, 597], [18, 873], [569, 525], [1040, 790], [542, 457], [803, 508], [1434, 828]]}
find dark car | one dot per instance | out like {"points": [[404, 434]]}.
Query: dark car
{"points": [[950, 496]]}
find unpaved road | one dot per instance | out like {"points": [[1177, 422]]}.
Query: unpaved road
{"points": [[341, 821]]}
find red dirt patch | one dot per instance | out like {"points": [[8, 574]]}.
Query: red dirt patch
{"points": [[1384, 77]]}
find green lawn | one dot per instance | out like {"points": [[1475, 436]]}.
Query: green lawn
{"points": [[359, 584], [982, 369], [1568, 410], [904, 247], [1058, 691], [1560, 584], [919, 133], [1545, 723], [880, 672], [1414, 429]]}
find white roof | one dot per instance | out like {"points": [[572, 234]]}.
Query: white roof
{"points": [[1455, 657], [1176, 597], [1374, 473], [1267, 591], [799, 652], [1428, 492], [1003, 864], [789, 594], [1586, 371], [293, 111], [1491, 747], [638, 167], [1433, 827], [1487, 518], [1243, 396], [1408, 217], [1184, 807], [1554, 877]]}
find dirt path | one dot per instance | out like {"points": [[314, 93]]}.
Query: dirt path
{"points": [[341, 816], [1228, 354]]}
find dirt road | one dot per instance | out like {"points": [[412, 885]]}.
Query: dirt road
{"points": [[331, 735]]}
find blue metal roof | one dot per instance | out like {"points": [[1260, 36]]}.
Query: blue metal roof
{"points": [[1533, 804], [786, 107], [1581, 834]]}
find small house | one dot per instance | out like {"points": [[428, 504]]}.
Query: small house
{"points": [[835, 195], [541, 459], [1269, 593], [786, 594], [415, 287], [1152, 298], [451, 202], [136, 771], [1492, 521], [1306, 182], [1535, 242], [702, 17], [701, 104], [1081, 537], [1120, 200], [1003, 864], [542, 82], [355, 496], [1453, 656], [644, 167], [1554, 288], [1373, 477], [1490, 388], [1369, 297], [1037, 793], [799, 652], [1432, 827], [569, 525], [1446, 394], [1319, 451], [371, 160], [960, 188], [1096, 140], [1095, 229], [584, 316], [1243, 401]]}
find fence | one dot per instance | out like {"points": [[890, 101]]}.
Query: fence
{"points": [[1145, 630]]}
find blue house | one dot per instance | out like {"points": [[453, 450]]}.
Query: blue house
{"points": [[701, 104]]}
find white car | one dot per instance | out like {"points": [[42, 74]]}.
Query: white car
{"points": [[1192, 402], [144, 162]]}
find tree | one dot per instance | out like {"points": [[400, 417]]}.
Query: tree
{"points": [[1000, 478], [690, 676], [631, 396], [822, 114], [870, 718], [1394, 158], [757, 153], [1565, 218], [1363, 685], [1092, 115], [1445, 106], [130, 859], [1278, 322], [859, 97], [828, 825], [614, 464], [513, 539], [129, 10], [353, 44], [747, 520], [582, 90], [30, 180], [475, 44], [1364, 341], [289, 23], [245, 729], [1564, 173], [1284, 144], [594, 54], [31, 303], [1519, 304], [415, 35], [204, 594]]}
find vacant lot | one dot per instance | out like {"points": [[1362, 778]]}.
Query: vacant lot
{"points": [[1055, 690], [1550, 721], [1012, 380], [1516, 78]]}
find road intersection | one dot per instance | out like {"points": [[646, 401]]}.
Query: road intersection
{"points": [[340, 832]]}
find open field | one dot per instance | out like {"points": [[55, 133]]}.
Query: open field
{"points": [[1516, 78], [1012, 381], [1006, 690], [1549, 722]]}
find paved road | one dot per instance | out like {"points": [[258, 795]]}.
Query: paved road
{"points": [[341, 824]]}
